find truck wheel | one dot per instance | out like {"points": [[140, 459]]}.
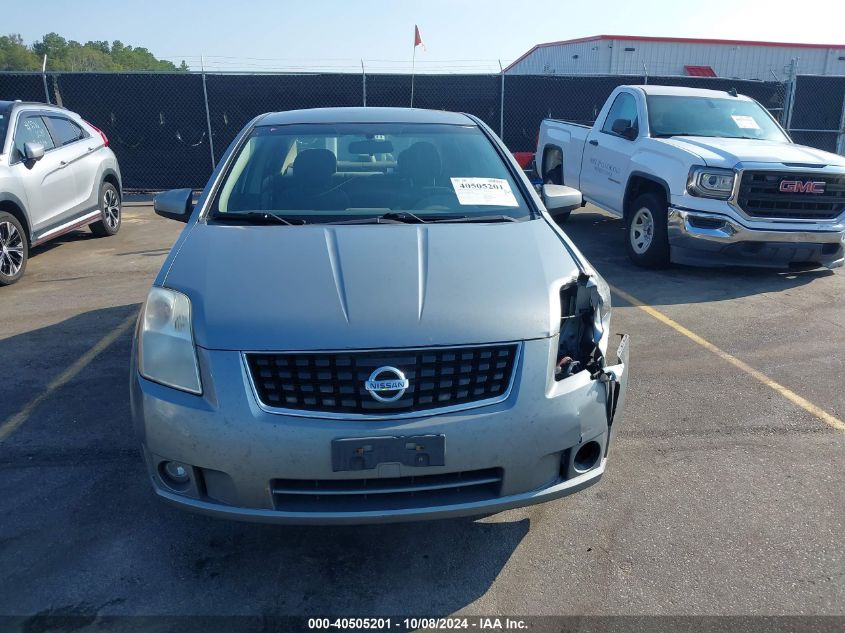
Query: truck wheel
{"points": [[646, 233], [14, 250], [109, 224]]}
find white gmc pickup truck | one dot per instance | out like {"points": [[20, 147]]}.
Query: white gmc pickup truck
{"points": [[701, 177]]}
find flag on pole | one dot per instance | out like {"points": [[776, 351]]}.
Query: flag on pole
{"points": [[417, 38]]}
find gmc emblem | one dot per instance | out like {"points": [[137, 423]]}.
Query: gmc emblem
{"points": [[801, 186]]}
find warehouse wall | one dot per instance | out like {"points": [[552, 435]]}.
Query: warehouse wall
{"points": [[609, 56]]}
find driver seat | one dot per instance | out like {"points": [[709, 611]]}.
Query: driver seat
{"points": [[420, 165], [311, 185]]}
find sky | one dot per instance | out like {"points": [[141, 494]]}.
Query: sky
{"points": [[460, 36]]}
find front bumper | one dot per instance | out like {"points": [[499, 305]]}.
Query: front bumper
{"points": [[235, 451], [711, 239]]}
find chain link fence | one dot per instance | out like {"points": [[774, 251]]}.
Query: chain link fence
{"points": [[817, 115], [169, 129]]}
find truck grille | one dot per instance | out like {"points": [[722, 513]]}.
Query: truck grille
{"points": [[334, 382], [760, 196], [380, 494]]}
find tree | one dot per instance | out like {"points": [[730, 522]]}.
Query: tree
{"points": [[52, 45], [14, 54], [94, 55]]}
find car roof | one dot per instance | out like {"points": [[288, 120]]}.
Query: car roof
{"points": [[683, 91], [365, 115], [8, 105]]}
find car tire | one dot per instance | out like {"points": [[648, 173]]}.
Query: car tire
{"points": [[110, 211], [14, 249], [646, 231]]}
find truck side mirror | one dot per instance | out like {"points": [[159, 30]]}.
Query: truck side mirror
{"points": [[624, 128], [561, 198], [175, 204]]}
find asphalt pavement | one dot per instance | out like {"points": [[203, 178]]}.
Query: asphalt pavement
{"points": [[722, 494]]}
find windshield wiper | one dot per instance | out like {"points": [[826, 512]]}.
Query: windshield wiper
{"points": [[684, 134], [256, 217], [478, 218], [391, 217], [406, 217]]}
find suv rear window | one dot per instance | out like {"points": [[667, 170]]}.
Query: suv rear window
{"points": [[336, 172], [65, 131]]}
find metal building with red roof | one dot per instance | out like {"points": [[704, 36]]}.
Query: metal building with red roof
{"points": [[633, 55]]}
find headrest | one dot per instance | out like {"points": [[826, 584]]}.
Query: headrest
{"points": [[314, 166], [420, 162]]}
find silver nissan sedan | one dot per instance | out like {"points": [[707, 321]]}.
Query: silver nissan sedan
{"points": [[371, 317]]}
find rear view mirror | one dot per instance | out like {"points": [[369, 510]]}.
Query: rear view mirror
{"points": [[561, 198], [370, 147], [624, 128], [33, 151], [175, 204]]}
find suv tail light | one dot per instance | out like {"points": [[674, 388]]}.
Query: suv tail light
{"points": [[100, 132]]}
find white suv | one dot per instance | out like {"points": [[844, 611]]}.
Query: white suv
{"points": [[57, 174]]}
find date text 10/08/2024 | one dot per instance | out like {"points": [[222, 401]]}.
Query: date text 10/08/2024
{"points": [[386, 624]]}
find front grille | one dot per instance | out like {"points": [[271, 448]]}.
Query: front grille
{"points": [[334, 382], [760, 196], [377, 494]]}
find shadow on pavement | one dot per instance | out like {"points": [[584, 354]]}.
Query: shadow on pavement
{"points": [[79, 235], [601, 238], [83, 534]]}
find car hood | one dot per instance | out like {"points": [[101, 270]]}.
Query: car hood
{"points": [[371, 286], [727, 152]]}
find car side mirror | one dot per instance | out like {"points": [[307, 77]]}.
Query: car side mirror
{"points": [[175, 204], [624, 128], [561, 198], [33, 152]]}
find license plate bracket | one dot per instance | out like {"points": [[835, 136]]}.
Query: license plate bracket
{"points": [[366, 453]]}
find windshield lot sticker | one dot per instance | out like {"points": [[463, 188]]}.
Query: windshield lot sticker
{"points": [[745, 122], [484, 191]]}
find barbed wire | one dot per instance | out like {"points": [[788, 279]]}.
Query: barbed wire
{"points": [[337, 64]]}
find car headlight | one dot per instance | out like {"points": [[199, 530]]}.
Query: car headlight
{"points": [[166, 352], [603, 312], [711, 182]]}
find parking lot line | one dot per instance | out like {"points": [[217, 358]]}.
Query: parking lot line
{"points": [[787, 393], [11, 424]]}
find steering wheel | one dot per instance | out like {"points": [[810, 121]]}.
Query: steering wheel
{"points": [[436, 198]]}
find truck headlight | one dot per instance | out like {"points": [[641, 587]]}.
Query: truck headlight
{"points": [[711, 182], [166, 352]]}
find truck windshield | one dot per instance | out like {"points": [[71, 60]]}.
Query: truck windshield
{"points": [[348, 172], [706, 116]]}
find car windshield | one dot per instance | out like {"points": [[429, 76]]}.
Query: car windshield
{"points": [[351, 172], [706, 116]]}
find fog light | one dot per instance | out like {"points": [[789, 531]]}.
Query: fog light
{"points": [[702, 222], [175, 474], [587, 457]]}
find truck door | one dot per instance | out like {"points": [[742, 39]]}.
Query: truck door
{"points": [[607, 153]]}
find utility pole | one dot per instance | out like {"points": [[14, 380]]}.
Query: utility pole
{"points": [[207, 114], [502, 103], [790, 97], [364, 82], [44, 78]]}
